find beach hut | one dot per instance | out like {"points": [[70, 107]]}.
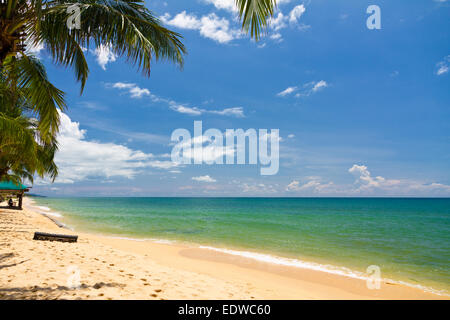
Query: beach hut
{"points": [[10, 190]]}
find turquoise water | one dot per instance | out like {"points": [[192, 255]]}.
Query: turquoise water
{"points": [[409, 239]]}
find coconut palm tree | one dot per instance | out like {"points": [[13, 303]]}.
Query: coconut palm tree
{"points": [[22, 153]]}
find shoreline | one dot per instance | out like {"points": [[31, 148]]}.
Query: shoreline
{"points": [[215, 274], [258, 256]]}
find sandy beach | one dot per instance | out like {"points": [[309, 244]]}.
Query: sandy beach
{"points": [[98, 267]]}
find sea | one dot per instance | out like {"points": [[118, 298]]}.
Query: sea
{"points": [[406, 239]]}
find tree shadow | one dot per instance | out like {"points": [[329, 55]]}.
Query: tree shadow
{"points": [[6, 256], [48, 293]]}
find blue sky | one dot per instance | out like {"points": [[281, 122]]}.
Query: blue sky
{"points": [[360, 112]]}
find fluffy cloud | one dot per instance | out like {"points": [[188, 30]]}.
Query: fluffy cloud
{"points": [[443, 66], [104, 55], [296, 13], [368, 185], [280, 21], [210, 26], [204, 179], [80, 159], [365, 177]]}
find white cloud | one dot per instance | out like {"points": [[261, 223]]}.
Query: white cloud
{"points": [[276, 36], [312, 185], [307, 89], [79, 159], [296, 13], [443, 66], [237, 112], [293, 186], [210, 26], [230, 5], [278, 22], [258, 188], [104, 55], [291, 136], [319, 85], [191, 111], [281, 21], [368, 185], [365, 177], [204, 179], [311, 88], [134, 90], [287, 91]]}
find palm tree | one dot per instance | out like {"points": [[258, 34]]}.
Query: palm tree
{"points": [[22, 152]]}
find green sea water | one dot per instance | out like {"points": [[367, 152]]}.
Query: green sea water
{"points": [[409, 239]]}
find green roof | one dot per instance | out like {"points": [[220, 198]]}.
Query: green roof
{"points": [[9, 185]]}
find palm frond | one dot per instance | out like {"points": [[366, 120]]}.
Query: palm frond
{"points": [[30, 76], [255, 15]]}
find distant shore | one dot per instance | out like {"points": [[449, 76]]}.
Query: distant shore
{"points": [[98, 267]]}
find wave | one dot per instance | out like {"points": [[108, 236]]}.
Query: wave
{"points": [[162, 241], [54, 214], [42, 208], [342, 271], [47, 211]]}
